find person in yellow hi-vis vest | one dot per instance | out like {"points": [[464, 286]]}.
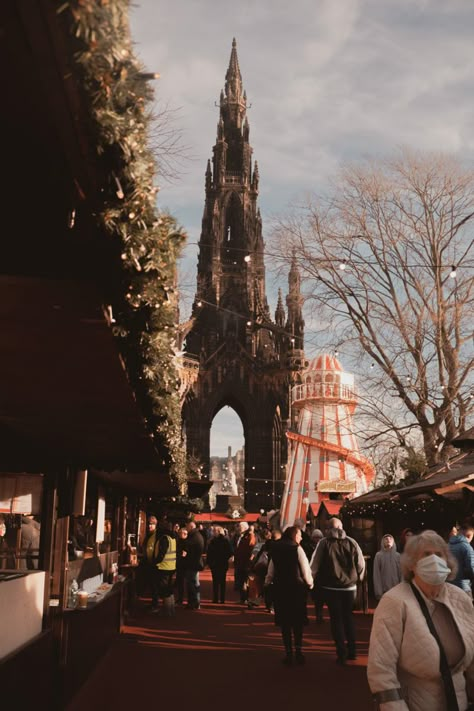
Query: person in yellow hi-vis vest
{"points": [[160, 560]]}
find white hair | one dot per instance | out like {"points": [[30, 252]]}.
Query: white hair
{"points": [[416, 546]]}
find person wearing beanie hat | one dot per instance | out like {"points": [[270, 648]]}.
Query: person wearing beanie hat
{"points": [[387, 572], [244, 543]]}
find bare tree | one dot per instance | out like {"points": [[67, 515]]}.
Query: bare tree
{"points": [[388, 259], [166, 140]]}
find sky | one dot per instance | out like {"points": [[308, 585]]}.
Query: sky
{"points": [[328, 81]]}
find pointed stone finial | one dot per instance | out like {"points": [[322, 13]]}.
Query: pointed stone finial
{"points": [[280, 311], [233, 71], [246, 132], [255, 176], [220, 129], [294, 302]]}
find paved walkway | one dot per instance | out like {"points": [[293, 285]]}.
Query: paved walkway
{"points": [[223, 657]]}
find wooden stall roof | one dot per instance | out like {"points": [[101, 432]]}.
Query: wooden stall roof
{"points": [[371, 497], [65, 394], [466, 440], [457, 472]]}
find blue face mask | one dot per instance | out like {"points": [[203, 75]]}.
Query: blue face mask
{"points": [[432, 569]]}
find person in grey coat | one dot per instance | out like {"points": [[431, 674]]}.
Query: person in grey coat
{"points": [[337, 566], [387, 570]]}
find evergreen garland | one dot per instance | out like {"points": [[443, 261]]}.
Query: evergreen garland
{"points": [[119, 93]]}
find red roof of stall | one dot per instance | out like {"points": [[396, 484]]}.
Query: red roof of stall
{"points": [[332, 507], [217, 517]]}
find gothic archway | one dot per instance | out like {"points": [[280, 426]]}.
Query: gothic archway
{"points": [[227, 461]]}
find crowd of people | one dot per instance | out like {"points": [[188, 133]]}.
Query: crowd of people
{"points": [[421, 651]]}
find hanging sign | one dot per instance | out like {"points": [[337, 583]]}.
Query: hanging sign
{"points": [[336, 486]]}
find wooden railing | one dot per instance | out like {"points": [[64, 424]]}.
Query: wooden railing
{"points": [[337, 391]]}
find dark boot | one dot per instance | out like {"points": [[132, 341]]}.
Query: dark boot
{"points": [[299, 656], [351, 652], [286, 635]]}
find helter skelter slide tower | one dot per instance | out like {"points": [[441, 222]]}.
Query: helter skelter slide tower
{"points": [[325, 459]]}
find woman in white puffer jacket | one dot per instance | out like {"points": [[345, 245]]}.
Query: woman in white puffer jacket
{"points": [[404, 658]]}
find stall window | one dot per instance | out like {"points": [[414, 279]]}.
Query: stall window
{"points": [[20, 520]]}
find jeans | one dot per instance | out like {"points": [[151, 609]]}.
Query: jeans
{"points": [[193, 589], [286, 631], [340, 604], [318, 599], [161, 584]]}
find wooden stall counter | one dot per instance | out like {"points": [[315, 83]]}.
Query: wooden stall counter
{"points": [[21, 608], [87, 634]]}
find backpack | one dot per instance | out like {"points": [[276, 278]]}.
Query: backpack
{"points": [[338, 567]]}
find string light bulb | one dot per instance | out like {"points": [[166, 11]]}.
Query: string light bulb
{"points": [[343, 265], [148, 76], [119, 191], [453, 272], [247, 258]]}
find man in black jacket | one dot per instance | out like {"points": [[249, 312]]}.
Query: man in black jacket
{"points": [[337, 565], [192, 565]]}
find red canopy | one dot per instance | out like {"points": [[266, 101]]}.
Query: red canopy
{"points": [[224, 518]]}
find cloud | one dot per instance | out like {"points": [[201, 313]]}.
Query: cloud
{"points": [[328, 81]]}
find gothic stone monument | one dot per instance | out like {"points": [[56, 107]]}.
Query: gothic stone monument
{"points": [[241, 357]]}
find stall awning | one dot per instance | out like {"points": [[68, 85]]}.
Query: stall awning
{"points": [[150, 483], [198, 487], [224, 518], [332, 507], [65, 397]]}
